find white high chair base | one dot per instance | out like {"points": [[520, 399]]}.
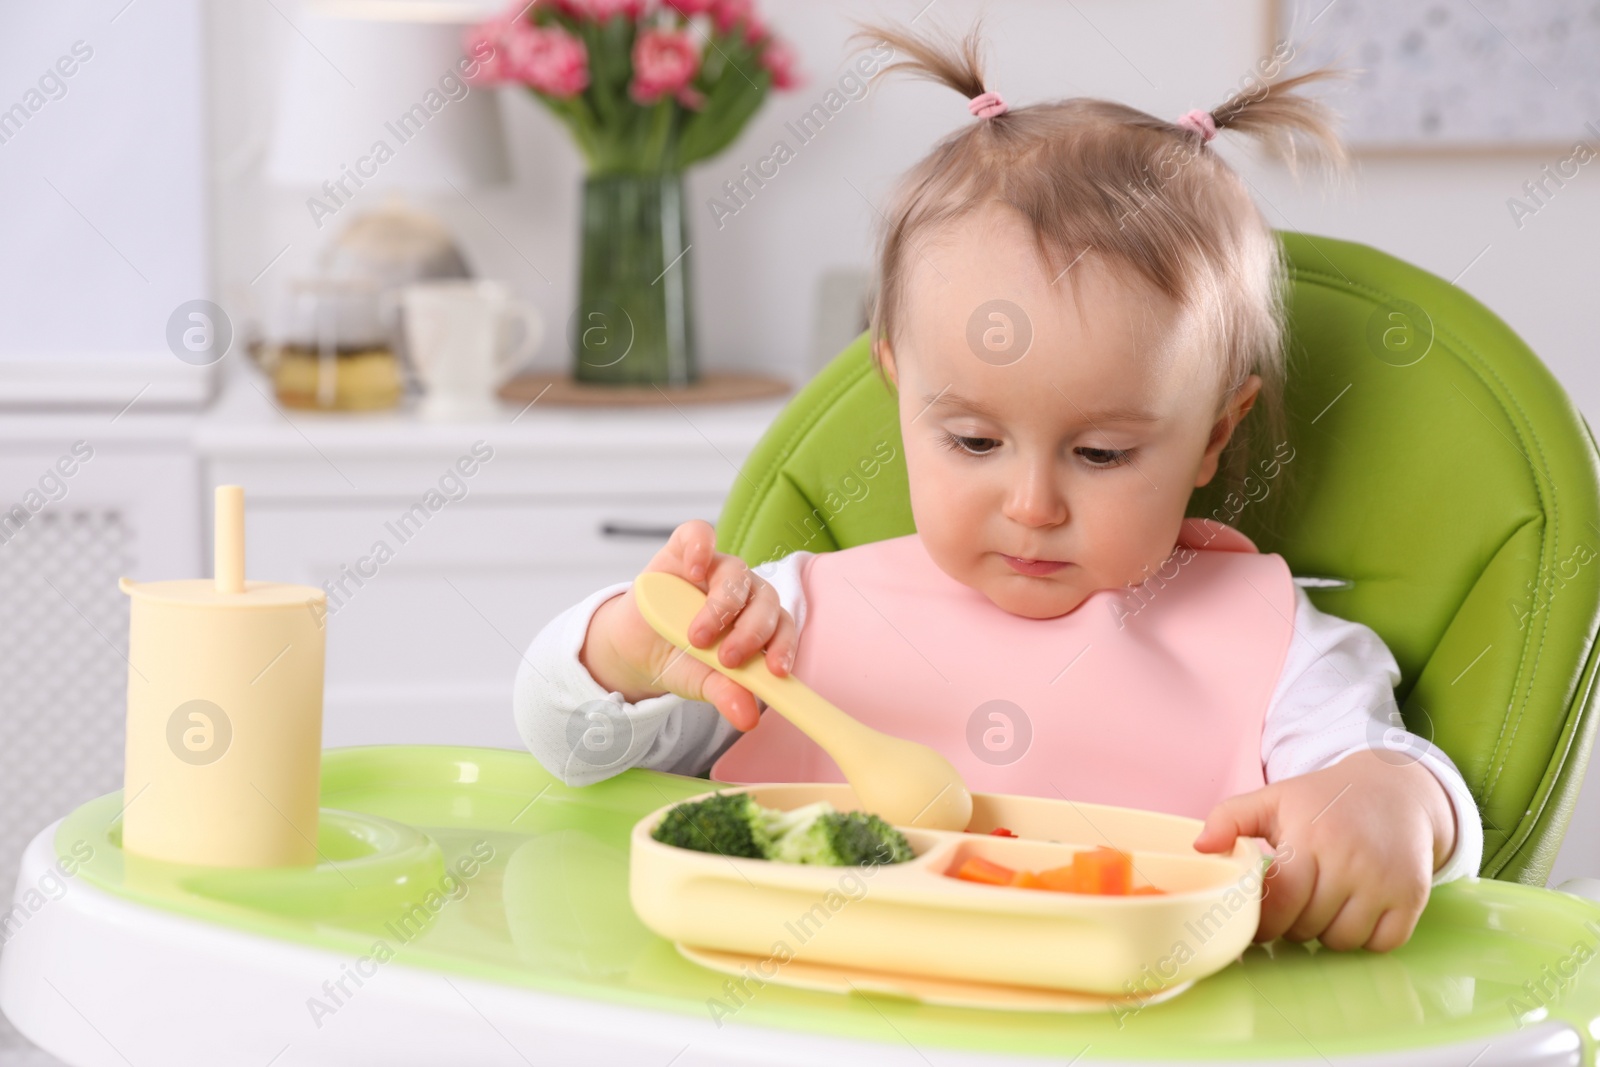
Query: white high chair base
{"points": [[101, 982]]}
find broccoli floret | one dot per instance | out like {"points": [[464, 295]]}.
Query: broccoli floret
{"points": [[819, 835], [730, 824], [779, 823]]}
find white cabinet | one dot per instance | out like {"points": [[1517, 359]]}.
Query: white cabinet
{"points": [[438, 579], [84, 500], [423, 649]]}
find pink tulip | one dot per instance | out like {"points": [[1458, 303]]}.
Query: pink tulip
{"points": [[690, 8], [549, 59], [665, 62], [779, 58], [603, 10], [487, 39], [493, 37], [725, 13], [599, 10]]}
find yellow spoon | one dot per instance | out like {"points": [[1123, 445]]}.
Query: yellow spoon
{"points": [[905, 783]]}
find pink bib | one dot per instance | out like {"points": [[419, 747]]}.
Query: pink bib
{"points": [[1147, 697]]}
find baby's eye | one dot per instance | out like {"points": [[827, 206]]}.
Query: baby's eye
{"points": [[1105, 457], [972, 446]]}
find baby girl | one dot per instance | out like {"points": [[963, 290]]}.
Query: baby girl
{"points": [[1078, 305]]}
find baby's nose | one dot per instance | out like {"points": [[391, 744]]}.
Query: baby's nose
{"points": [[1036, 500]]}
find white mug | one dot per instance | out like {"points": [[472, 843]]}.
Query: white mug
{"points": [[459, 334]]}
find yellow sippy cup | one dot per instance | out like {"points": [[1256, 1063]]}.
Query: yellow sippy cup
{"points": [[224, 742]]}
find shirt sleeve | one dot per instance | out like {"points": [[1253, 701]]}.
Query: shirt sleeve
{"points": [[1334, 698], [583, 734]]}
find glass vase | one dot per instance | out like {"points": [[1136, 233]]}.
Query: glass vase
{"points": [[633, 324]]}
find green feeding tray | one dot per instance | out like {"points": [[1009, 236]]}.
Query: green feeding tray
{"points": [[467, 900]]}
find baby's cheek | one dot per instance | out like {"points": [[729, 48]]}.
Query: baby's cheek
{"points": [[956, 546], [952, 547], [942, 503], [1139, 545]]}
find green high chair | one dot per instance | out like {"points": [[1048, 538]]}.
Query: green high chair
{"points": [[1440, 470], [471, 909]]}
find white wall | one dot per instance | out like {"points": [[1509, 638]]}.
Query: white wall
{"points": [[755, 276], [101, 176]]}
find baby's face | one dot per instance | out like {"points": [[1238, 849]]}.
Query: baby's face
{"points": [[1039, 476]]}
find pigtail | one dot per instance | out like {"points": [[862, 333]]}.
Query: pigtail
{"points": [[1286, 122], [957, 65]]}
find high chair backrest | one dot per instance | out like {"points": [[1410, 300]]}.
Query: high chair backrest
{"points": [[1441, 475]]}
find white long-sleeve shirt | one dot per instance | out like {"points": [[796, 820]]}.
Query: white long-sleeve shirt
{"points": [[1334, 697]]}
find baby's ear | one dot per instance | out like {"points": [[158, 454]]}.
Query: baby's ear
{"points": [[1239, 405], [1247, 394], [1223, 429], [885, 358]]}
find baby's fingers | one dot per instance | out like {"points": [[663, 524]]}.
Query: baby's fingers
{"points": [[733, 701], [754, 627], [680, 673], [782, 647], [1380, 916], [729, 588], [1286, 893], [1352, 924], [1252, 814], [1334, 893], [1393, 929], [688, 553]]}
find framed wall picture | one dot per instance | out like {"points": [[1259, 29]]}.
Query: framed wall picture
{"points": [[1454, 75]]}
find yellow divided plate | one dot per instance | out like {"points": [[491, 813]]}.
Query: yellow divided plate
{"points": [[913, 919], [749, 972]]}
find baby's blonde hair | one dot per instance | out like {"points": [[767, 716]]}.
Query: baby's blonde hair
{"points": [[1096, 177]]}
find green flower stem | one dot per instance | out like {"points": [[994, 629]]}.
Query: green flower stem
{"points": [[618, 135]]}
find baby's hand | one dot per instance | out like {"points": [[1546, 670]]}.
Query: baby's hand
{"points": [[624, 653], [1357, 844]]}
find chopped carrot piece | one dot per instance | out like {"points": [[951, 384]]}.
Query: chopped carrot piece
{"points": [[1067, 879], [1001, 831], [1098, 871], [978, 869], [1105, 871]]}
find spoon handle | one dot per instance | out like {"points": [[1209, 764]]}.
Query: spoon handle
{"points": [[669, 604]]}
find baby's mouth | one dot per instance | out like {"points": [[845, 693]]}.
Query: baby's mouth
{"points": [[1035, 568]]}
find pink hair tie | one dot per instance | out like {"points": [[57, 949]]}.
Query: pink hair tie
{"points": [[986, 105], [1200, 122]]}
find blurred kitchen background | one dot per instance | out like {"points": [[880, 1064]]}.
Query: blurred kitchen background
{"points": [[168, 281]]}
